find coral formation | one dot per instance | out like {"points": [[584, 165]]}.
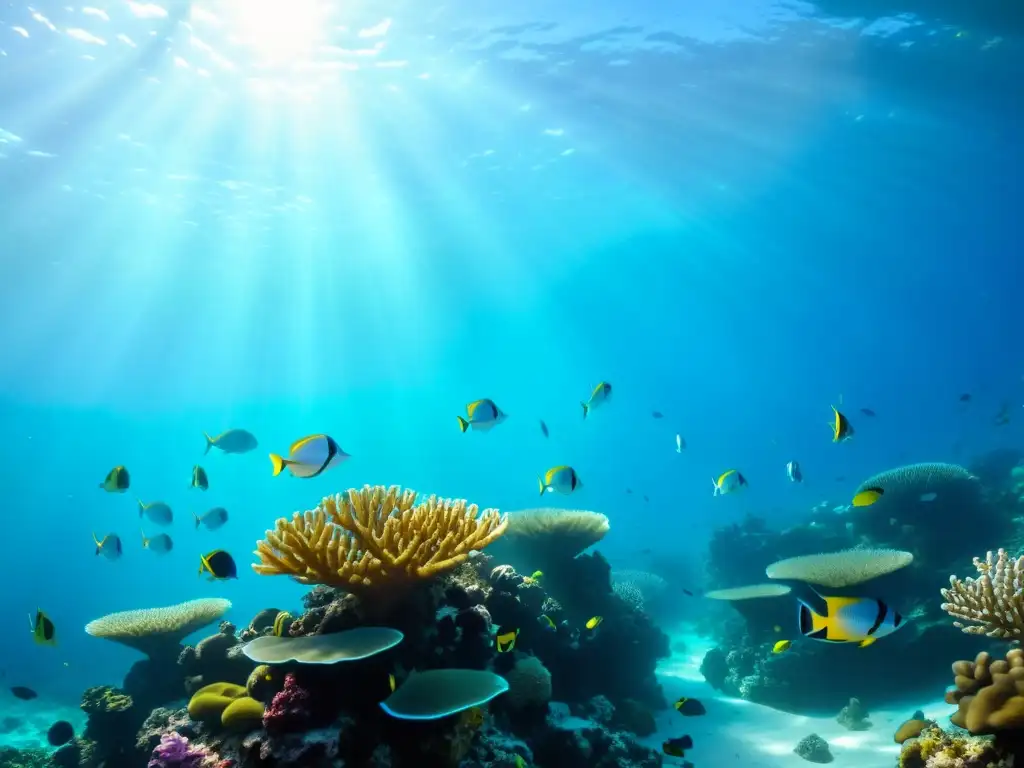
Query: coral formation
{"points": [[348, 645], [845, 568], [554, 535], [174, 751], [935, 748], [529, 683], [158, 632], [854, 716], [814, 749], [376, 539], [993, 603]]}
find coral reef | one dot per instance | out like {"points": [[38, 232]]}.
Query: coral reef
{"points": [[854, 717], [814, 749], [994, 602], [376, 539]]}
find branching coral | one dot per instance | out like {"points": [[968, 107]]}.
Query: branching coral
{"points": [[993, 602], [376, 538]]}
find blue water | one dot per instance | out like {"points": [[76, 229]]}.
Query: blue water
{"points": [[737, 213]]}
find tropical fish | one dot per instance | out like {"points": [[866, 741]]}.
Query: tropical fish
{"points": [[156, 512], [728, 482], [219, 564], [161, 543], [842, 430], [544, 429], [561, 479], [282, 622], [117, 480], [482, 415], [868, 412], [199, 478], [793, 472], [310, 456], [867, 497], [43, 630], [391, 682], [595, 622], [212, 519], [677, 747], [689, 707], [547, 623], [60, 733], [109, 546], [965, 397], [680, 443], [23, 693], [859, 620], [930, 496], [781, 646], [599, 396], [232, 441], [506, 639], [657, 415]]}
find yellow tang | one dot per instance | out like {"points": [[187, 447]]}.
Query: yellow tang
{"points": [[43, 631], [506, 639], [594, 622], [116, 481], [282, 621], [781, 646], [867, 497]]}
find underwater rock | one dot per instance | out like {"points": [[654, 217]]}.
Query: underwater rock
{"points": [[154, 682], [112, 722], [854, 717], [578, 743], [318, 748], [24, 758], [161, 721], [634, 717], [814, 749]]}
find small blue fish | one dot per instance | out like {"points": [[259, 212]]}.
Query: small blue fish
{"points": [[157, 512], [793, 472], [232, 441], [310, 456], [109, 546], [560, 479], [213, 519], [599, 396], [161, 543], [544, 428], [482, 415]]}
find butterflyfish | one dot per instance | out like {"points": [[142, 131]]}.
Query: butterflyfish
{"points": [[842, 430], [506, 639], [199, 478], [594, 622], [109, 546], [782, 646], [689, 707], [309, 457], [729, 481], [598, 396], [859, 620], [282, 622], [212, 519], [232, 441], [116, 481], [561, 479], [43, 630], [157, 512], [161, 543], [677, 747], [867, 497], [794, 473], [481, 415], [219, 564]]}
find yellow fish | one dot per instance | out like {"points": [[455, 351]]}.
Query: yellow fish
{"points": [[594, 622], [728, 482], [859, 620], [199, 478], [842, 430], [560, 479], [483, 415], [867, 497], [506, 639], [282, 622], [781, 646], [391, 682], [43, 631], [116, 481], [598, 396], [310, 457]]}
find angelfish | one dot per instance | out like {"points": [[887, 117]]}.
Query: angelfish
{"points": [[860, 620]]}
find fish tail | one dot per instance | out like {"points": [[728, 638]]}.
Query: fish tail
{"points": [[586, 409], [812, 623], [209, 443], [714, 484], [145, 541], [98, 543], [278, 463], [463, 424], [540, 483], [198, 520]]}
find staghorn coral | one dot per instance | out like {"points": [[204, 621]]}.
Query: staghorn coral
{"points": [[158, 632], [376, 539], [993, 602]]}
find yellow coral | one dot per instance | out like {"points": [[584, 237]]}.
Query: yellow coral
{"points": [[242, 714], [210, 701], [376, 538]]}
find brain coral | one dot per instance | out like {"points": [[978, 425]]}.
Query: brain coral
{"points": [[529, 683]]}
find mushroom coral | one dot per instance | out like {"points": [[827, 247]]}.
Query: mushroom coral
{"points": [[376, 539]]}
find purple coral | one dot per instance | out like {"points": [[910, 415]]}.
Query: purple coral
{"points": [[289, 709], [174, 751]]}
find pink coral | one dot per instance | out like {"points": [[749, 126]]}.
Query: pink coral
{"points": [[289, 710]]}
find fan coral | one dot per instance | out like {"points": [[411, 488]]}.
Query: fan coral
{"points": [[376, 538], [158, 632], [994, 602], [174, 751]]}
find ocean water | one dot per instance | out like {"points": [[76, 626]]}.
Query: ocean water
{"points": [[357, 218]]}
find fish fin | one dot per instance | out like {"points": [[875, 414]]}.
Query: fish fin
{"points": [[540, 482], [812, 623], [198, 520], [867, 641], [463, 424], [279, 463], [586, 409], [714, 484], [209, 443]]}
